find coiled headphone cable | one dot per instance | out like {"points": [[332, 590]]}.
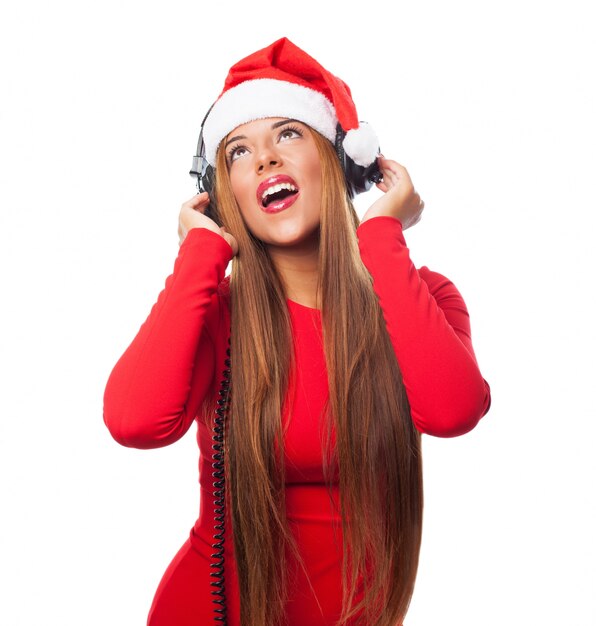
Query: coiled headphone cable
{"points": [[219, 493]]}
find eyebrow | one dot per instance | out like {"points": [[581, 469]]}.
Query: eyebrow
{"points": [[273, 127]]}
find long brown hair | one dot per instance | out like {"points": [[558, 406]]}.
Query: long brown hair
{"points": [[377, 454]]}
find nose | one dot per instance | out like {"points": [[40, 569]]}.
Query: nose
{"points": [[268, 158]]}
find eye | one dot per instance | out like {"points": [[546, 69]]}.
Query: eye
{"points": [[289, 132], [236, 152]]}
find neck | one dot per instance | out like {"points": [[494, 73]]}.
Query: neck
{"points": [[298, 267]]}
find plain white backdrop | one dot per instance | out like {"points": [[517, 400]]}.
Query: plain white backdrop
{"points": [[490, 107]]}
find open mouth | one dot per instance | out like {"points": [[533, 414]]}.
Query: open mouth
{"points": [[277, 193]]}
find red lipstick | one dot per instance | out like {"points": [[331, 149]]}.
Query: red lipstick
{"points": [[275, 206]]}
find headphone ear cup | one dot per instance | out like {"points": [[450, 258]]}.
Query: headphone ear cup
{"points": [[358, 178], [205, 174], [341, 155], [208, 184], [208, 179], [362, 178]]}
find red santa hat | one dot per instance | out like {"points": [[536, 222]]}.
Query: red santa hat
{"points": [[281, 80]]}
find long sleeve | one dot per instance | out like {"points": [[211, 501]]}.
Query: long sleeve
{"points": [[428, 323], [154, 390]]}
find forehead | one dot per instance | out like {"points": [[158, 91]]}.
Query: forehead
{"points": [[257, 126]]}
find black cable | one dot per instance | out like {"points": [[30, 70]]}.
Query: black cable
{"points": [[219, 493]]}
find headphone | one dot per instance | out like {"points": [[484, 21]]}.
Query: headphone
{"points": [[357, 177]]}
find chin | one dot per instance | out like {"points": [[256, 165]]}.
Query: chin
{"points": [[289, 240]]}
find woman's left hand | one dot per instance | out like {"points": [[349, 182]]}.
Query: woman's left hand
{"points": [[400, 199]]}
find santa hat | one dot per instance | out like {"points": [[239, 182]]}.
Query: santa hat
{"points": [[281, 80]]}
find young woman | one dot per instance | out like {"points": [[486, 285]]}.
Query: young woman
{"points": [[341, 353]]}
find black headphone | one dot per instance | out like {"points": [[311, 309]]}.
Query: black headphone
{"points": [[357, 177]]}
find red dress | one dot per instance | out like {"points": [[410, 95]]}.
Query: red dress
{"points": [[155, 390]]}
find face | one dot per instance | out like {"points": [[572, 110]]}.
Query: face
{"points": [[275, 173]]}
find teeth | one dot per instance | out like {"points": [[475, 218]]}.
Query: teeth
{"points": [[276, 188]]}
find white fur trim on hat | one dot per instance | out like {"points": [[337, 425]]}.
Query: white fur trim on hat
{"points": [[267, 97], [361, 144]]}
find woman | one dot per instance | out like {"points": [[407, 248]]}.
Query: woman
{"points": [[342, 354]]}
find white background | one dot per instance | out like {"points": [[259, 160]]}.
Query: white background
{"points": [[491, 108]]}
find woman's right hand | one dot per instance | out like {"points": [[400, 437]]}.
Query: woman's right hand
{"points": [[192, 216]]}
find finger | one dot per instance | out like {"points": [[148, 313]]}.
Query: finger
{"points": [[390, 164], [197, 199], [398, 170], [390, 177], [385, 165]]}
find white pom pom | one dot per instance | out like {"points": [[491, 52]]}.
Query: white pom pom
{"points": [[361, 145]]}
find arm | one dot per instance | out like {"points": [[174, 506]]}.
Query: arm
{"points": [[154, 390], [428, 323]]}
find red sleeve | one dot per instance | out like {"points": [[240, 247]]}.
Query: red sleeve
{"points": [[155, 389], [429, 326]]}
